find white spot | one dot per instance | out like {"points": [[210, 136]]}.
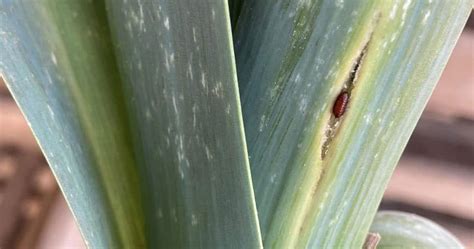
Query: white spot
{"points": [[167, 63], [425, 17], [392, 39], [262, 123], [208, 153], [272, 178], [203, 79], [194, 109], [190, 71], [167, 23], [340, 4], [393, 11], [194, 220], [368, 118], [406, 5], [297, 78], [181, 173], [303, 105], [50, 110], [53, 59], [172, 58], [405, 10], [175, 106], [218, 90], [194, 35]]}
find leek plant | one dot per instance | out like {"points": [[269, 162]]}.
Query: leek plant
{"points": [[212, 124]]}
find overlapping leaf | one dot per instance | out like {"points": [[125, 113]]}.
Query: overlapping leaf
{"points": [[318, 180], [180, 84], [58, 62]]}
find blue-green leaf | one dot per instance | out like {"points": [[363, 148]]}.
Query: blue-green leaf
{"points": [[318, 179], [58, 62], [177, 63]]}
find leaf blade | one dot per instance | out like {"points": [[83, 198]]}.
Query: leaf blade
{"points": [[64, 80], [315, 177], [185, 108]]}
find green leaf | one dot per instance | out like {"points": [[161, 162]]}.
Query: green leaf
{"points": [[404, 230], [318, 180], [176, 60], [58, 63]]}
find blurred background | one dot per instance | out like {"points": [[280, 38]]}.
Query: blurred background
{"points": [[434, 178]]}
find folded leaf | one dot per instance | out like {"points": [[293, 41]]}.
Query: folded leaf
{"points": [[404, 230]]}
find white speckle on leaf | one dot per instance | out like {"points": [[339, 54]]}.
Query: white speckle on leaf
{"points": [[392, 39], [194, 109], [142, 17], [272, 178], [218, 90], [208, 153], [393, 11], [194, 34], [53, 59], [194, 220], [50, 110], [297, 78], [406, 4], [405, 11], [303, 104], [167, 62], [175, 106], [368, 118], [425, 17], [203, 79], [190, 70], [167, 23], [262, 123], [172, 58], [181, 173]]}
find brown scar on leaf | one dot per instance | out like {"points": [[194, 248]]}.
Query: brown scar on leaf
{"points": [[349, 84]]}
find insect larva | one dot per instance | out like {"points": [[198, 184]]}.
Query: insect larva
{"points": [[340, 105]]}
